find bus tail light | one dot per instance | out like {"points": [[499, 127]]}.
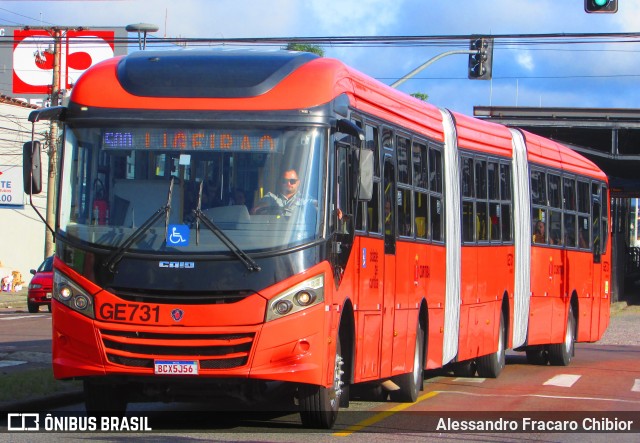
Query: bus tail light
{"points": [[71, 295], [301, 296]]}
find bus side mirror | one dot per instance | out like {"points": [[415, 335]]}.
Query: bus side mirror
{"points": [[31, 168], [364, 177]]}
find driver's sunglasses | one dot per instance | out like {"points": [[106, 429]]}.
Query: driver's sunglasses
{"points": [[291, 181]]}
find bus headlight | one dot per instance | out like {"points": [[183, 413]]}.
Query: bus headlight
{"points": [[297, 298], [70, 294]]}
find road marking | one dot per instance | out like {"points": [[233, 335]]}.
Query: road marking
{"points": [[558, 397], [382, 415], [470, 379], [21, 317], [636, 385], [562, 380], [5, 363]]}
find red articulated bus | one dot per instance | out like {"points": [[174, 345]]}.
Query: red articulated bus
{"points": [[236, 218]]}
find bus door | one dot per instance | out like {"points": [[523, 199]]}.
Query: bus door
{"points": [[389, 269], [596, 236]]}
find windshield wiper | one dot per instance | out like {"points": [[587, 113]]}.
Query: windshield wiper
{"points": [[115, 257], [242, 256]]}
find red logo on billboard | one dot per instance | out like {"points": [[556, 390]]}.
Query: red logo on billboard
{"points": [[33, 58]]}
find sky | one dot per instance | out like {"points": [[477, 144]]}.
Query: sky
{"points": [[528, 72]]}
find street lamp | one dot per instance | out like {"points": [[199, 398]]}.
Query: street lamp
{"points": [[142, 28]]}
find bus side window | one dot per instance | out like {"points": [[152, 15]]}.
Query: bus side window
{"points": [[373, 206], [539, 227], [468, 222], [604, 228], [507, 202], [482, 214]]}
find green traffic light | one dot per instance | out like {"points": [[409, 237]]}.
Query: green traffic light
{"points": [[600, 2]]}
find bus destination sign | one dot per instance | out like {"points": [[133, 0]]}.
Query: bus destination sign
{"points": [[192, 139]]}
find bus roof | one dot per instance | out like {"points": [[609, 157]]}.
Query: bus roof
{"points": [[245, 80], [479, 135], [547, 152]]}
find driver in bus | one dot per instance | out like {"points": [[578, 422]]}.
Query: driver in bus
{"points": [[287, 200]]}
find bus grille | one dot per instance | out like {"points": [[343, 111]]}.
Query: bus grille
{"points": [[160, 296], [213, 351]]}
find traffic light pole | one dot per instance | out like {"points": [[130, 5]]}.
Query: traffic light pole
{"points": [[427, 63]]}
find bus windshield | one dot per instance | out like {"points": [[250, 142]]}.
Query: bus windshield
{"points": [[150, 188]]}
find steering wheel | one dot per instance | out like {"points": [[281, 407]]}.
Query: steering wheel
{"points": [[270, 210]]}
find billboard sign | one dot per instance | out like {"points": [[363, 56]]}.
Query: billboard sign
{"points": [[11, 188], [28, 53]]}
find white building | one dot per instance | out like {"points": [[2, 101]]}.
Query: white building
{"points": [[22, 232]]}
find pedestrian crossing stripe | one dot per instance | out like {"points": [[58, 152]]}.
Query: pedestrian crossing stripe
{"points": [[562, 380]]}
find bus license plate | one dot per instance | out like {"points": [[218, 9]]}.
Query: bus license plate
{"points": [[172, 367]]}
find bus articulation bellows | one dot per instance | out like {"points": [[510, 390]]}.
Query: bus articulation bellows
{"points": [[418, 238]]}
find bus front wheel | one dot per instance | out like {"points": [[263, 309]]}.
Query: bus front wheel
{"points": [[318, 404]]}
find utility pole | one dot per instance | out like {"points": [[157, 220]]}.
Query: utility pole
{"points": [[57, 34]]}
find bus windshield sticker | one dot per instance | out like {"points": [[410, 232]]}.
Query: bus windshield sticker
{"points": [[178, 235]]}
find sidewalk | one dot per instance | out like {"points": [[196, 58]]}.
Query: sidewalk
{"points": [[14, 300]]}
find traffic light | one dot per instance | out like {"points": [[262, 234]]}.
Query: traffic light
{"points": [[610, 6], [481, 60]]}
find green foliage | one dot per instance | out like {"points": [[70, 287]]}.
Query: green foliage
{"points": [[420, 96], [314, 49], [32, 383]]}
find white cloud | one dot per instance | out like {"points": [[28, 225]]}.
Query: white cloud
{"points": [[364, 17], [525, 60]]}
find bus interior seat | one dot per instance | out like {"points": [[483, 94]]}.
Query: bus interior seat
{"points": [[140, 199]]}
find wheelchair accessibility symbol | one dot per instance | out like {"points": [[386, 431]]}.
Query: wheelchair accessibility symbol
{"points": [[178, 235]]}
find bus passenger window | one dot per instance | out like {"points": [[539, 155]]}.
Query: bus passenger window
{"points": [[538, 188], [555, 201], [420, 174], [539, 232], [539, 227], [421, 209], [405, 223], [507, 223], [468, 223], [435, 170], [404, 171], [555, 228], [436, 217], [570, 230], [481, 221], [494, 189], [481, 179], [467, 177], [583, 232], [371, 142], [569, 194], [495, 220]]}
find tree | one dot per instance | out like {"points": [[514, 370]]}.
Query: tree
{"points": [[420, 96], [314, 49]]}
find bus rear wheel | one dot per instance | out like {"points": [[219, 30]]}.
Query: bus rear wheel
{"points": [[490, 366], [411, 383], [561, 354], [319, 405]]}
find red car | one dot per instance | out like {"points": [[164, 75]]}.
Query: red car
{"points": [[41, 286]]}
